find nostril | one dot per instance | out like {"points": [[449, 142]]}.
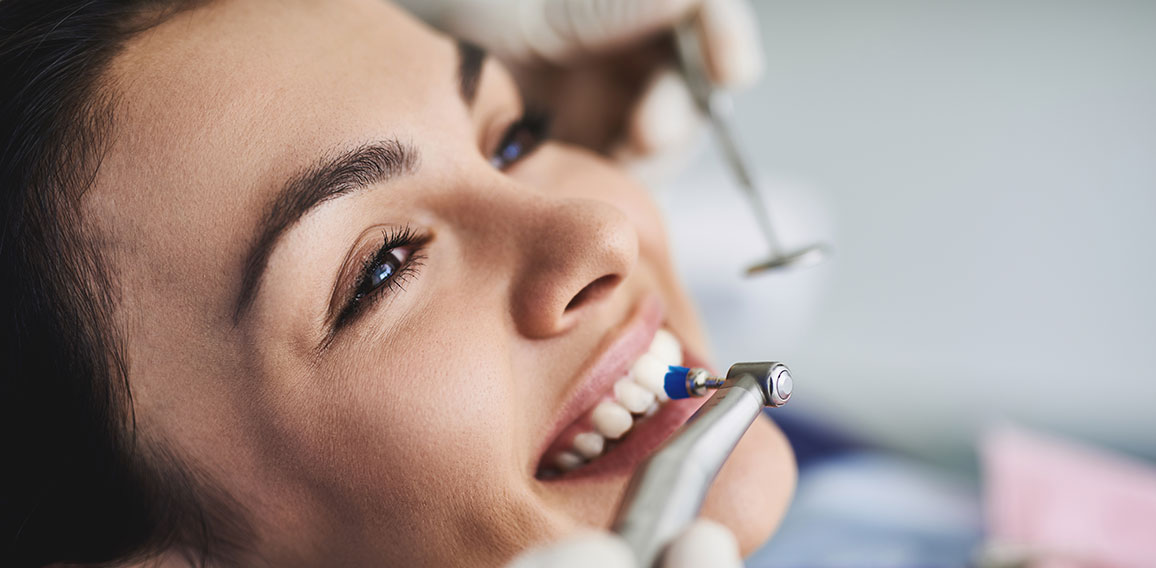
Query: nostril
{"points": [[593, 291]]}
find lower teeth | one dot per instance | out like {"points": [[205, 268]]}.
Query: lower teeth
{"points": [[576, 458]]}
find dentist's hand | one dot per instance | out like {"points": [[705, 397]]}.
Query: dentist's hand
{"points": [[606, 66], [704, 543]]}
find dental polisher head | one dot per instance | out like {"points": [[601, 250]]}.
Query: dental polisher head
{"points": [[773, 377], [774, 380]]}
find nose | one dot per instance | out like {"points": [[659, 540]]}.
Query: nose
{"points": [[575, 253]]}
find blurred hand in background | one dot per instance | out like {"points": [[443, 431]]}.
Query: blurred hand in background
{"points": [[606, 68]]}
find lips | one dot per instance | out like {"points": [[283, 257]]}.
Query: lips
{"points": [[619, 412]]}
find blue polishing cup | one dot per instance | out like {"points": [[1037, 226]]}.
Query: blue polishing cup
{"points": [[675, 385]]}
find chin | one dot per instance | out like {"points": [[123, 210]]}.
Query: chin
{"points": [[754, 487]]}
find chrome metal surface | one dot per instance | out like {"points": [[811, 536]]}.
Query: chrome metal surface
{"points": [[800, 258], [699, 382], [667, 490]]}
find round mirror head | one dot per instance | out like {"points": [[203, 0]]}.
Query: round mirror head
{"points": [[801, 258]]}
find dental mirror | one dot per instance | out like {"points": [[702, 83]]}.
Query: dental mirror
{"points": [[716, 105]]}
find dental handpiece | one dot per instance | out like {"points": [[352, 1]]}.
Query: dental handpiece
{"points": [[667, 491]]}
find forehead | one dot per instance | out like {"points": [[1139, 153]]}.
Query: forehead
{"points": [[219, 105], [262, 81]]}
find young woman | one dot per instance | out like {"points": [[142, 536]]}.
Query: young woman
{"points": [[303, 284]]}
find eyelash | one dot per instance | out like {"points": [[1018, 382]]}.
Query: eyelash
{"points": [[519, 141], [364, 293]]}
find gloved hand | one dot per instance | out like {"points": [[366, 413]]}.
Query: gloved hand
{"points": [[704, 543], [606, 66]]}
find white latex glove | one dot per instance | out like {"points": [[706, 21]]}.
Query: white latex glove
{"points": [[565, 32], [704, 543]]}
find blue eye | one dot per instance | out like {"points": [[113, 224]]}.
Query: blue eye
{"points": [[511, 152], [381, 269], [394, 262], [521, 139], [385, 269]]}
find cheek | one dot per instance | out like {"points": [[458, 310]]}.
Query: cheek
{"points": [[422, 429], [438, 395], [413, 419]]}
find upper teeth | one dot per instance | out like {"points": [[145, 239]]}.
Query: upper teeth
{"points": [[611, 419], [638, 393], [650, 372], [632, 396], [666, 347]]}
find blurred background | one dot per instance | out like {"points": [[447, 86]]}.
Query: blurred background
{"points": [[986, 174]]}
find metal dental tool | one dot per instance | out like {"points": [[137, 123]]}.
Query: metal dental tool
{"points": [[667, 491], [716, 105]]}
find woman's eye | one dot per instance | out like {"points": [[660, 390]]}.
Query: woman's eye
{"points": [[521, 139], [381, 269], [384, 269]]}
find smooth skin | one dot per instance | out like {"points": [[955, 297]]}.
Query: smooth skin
{"points": [[408, 438]]}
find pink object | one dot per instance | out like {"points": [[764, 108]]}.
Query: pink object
{"points": [[1068, 504]]}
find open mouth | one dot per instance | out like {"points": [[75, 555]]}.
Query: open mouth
{"points": [[634, 401]]}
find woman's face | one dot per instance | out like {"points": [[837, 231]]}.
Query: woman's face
{"points": [[360, 299]]}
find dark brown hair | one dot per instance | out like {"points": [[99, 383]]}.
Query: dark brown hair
{"points": [[78, 484]]}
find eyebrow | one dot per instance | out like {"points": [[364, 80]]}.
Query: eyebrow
{"points": [[348, 173], [471, 58], [329, 179]]}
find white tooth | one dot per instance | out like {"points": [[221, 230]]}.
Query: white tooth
{"points": [[650, 411], [666, 347], [611, 420], [568, 460], [632, 396], [589, 444], [649, 372]]}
